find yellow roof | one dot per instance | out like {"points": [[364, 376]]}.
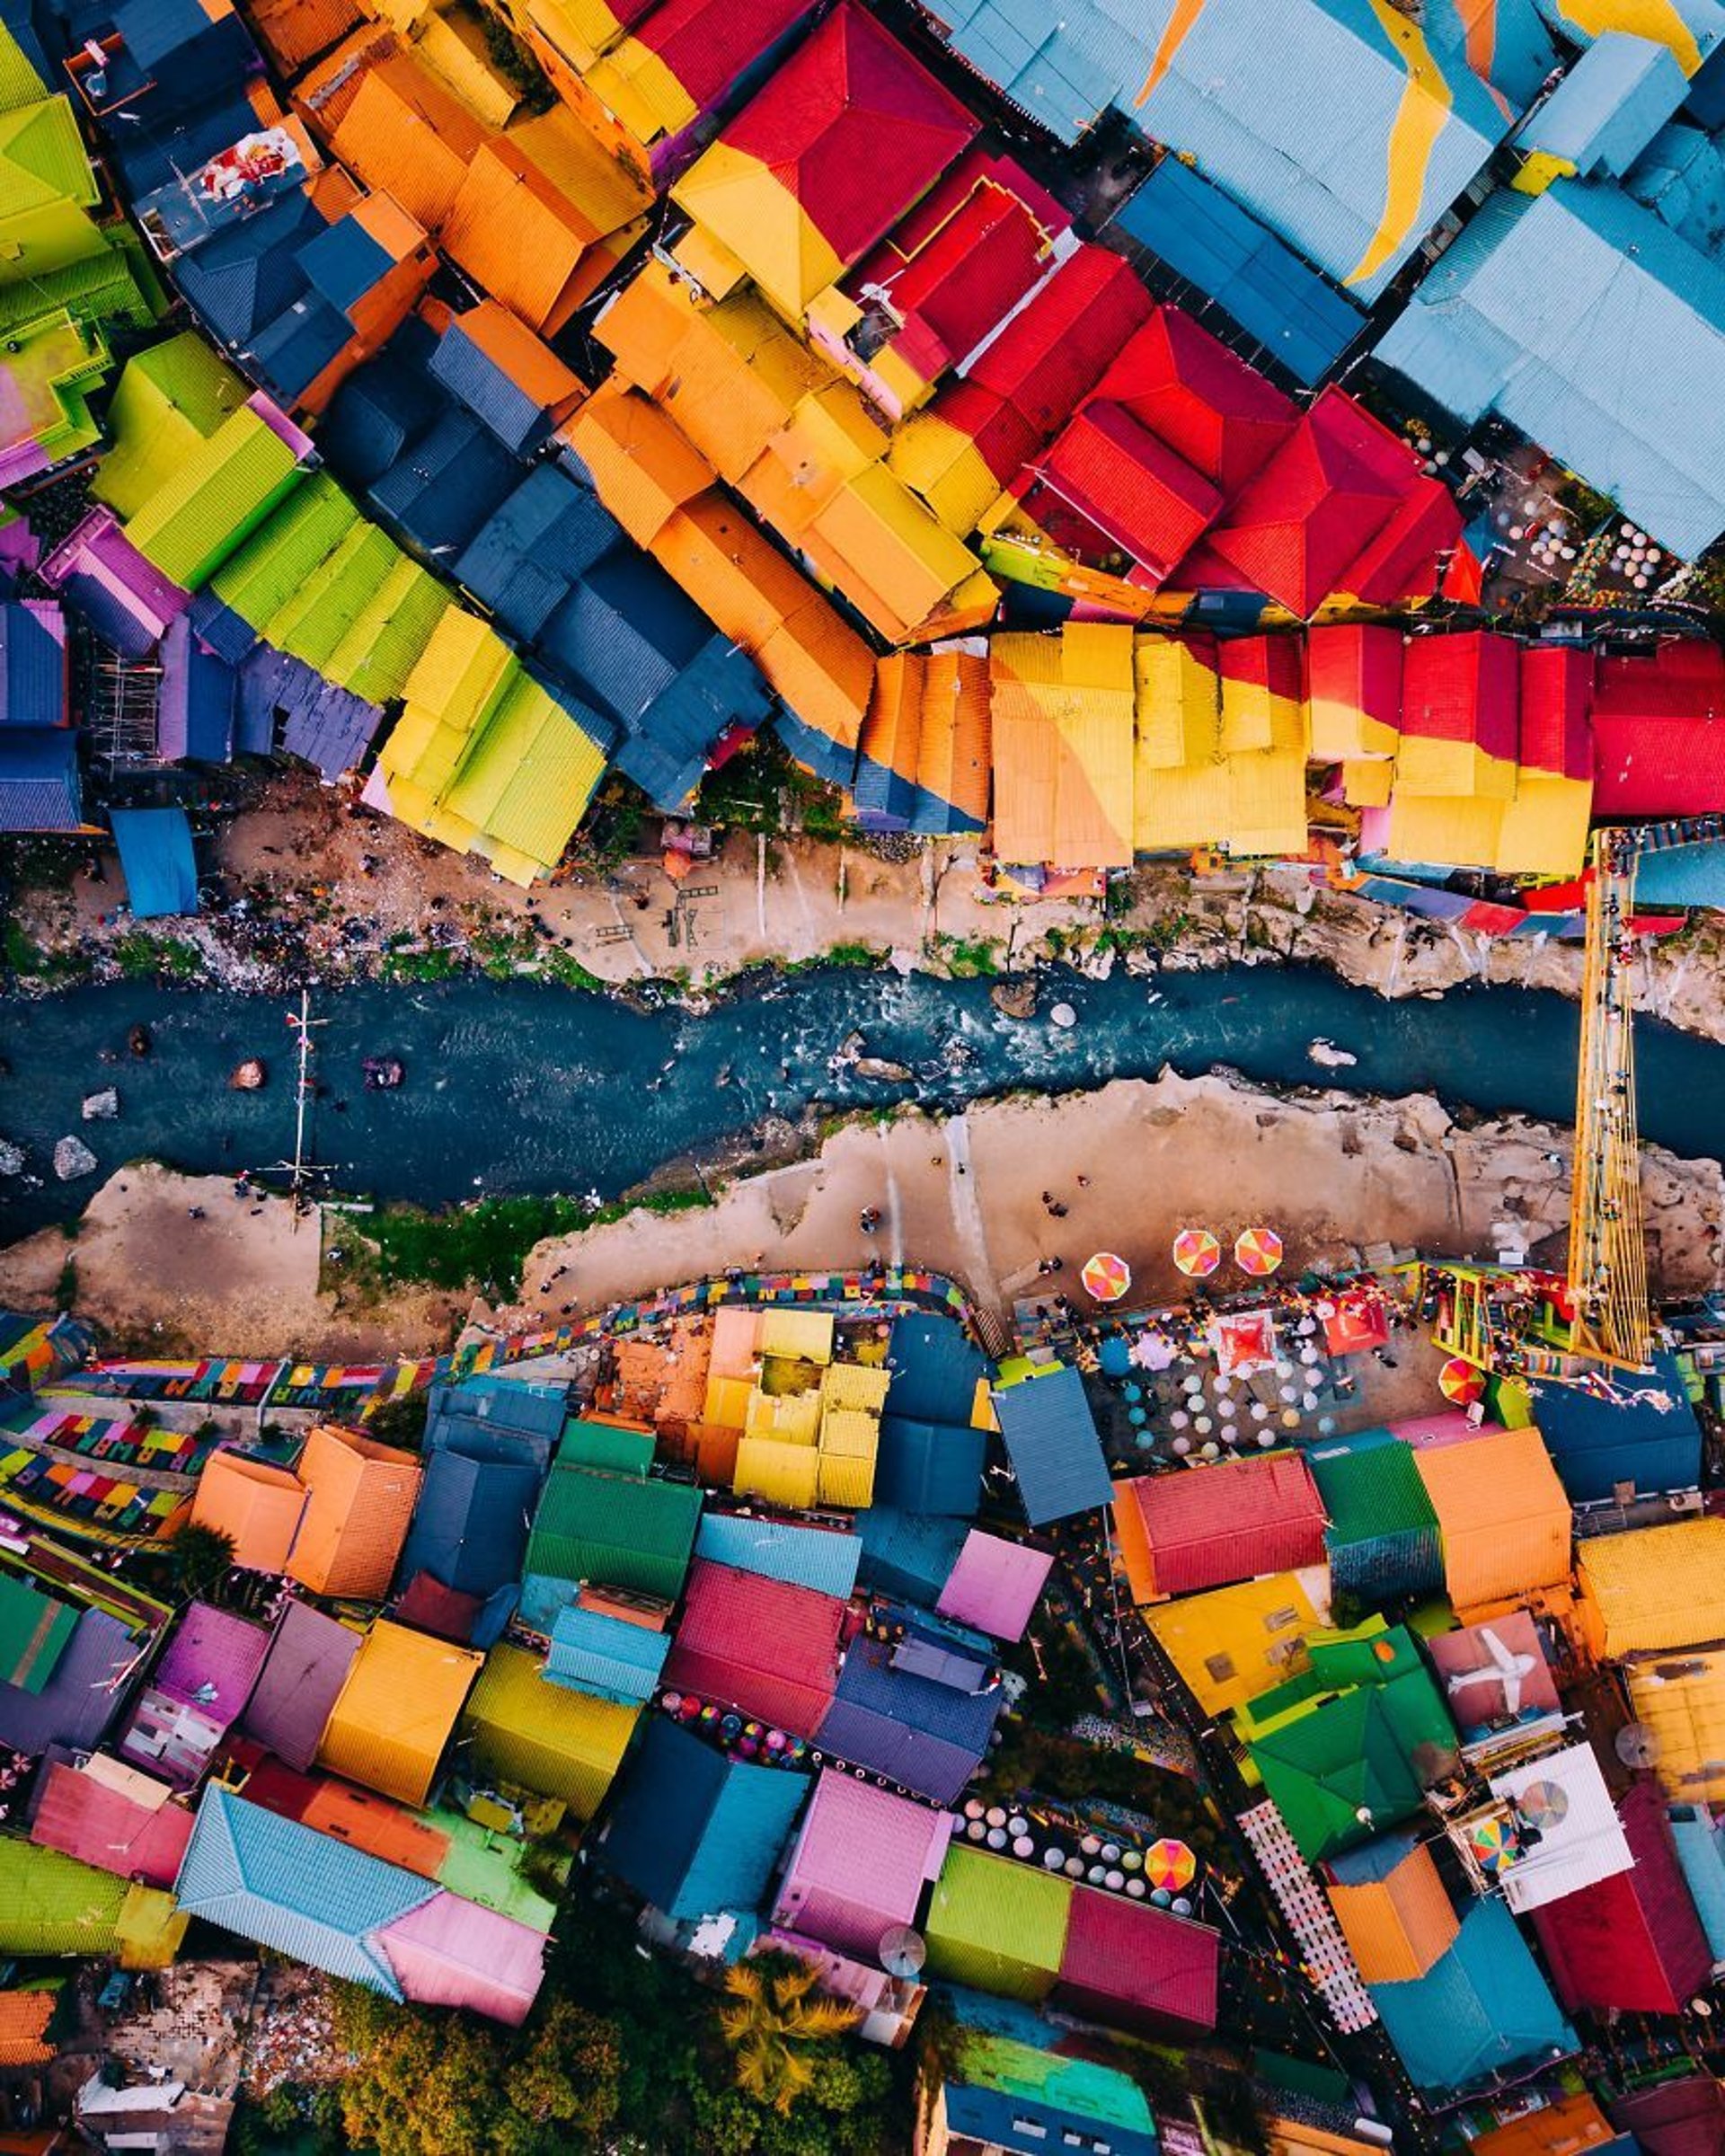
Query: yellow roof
{"points": [[1682, 1701], [1544, 829], [608, 194], [845, 1481], [1462, 768], [1398, 1926], [850, 1432], [829, 437], [1453, 830], [784, 1474], [451, 46], [633, 82], [396, 1711], [1177, 710], [852, 1385], [804, 1336], [1062, 710], [727, 1401], [743, 206], [1233, 1644], [791, 1418], [544, 1738], [941, 462], [1656, 1587], [1267, 803], [1367, 782]]}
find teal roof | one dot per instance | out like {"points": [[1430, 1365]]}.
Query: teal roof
{"points": [[603, 1445], [606, 1656], [1481, 2012], [804, 1557], [286, 1887]]}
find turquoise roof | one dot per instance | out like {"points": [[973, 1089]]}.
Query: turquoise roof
{"points": [[805, 1557], [606, 1656], [286, 1887], [1608, 107], [1701, 1853], [1482, 2010]]}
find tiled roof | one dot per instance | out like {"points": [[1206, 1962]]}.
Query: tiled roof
{"points": [[213, 1658], [1392, 1908], [301, 1680], [1210, 1526], [396, 1711], [1631, 1941], [223, 490], [25, 2017], [859, 1864], [1141, 494], [908, 1552], [451, 1952], [1482, 2010], [760, 1645]]}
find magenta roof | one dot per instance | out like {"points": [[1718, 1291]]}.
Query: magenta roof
{"points": [[859, 1864], [212, 1663], [995, 1585], [1137, 1966], [105, 1827], [451, 1952]]}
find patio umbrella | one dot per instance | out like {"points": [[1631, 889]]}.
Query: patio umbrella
{"points": [[1170, 1864], [1197, 1252], [1106, 1276], [1258, 1251], [1459, 1381], [1490, 1843]]}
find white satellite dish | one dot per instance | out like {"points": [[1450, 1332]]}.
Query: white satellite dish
{"points": [[1637, 1745], [903, 1951], [1504, 1668]]}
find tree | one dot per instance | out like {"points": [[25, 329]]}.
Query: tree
{"points": [[201, 1558], [776, 2023]]}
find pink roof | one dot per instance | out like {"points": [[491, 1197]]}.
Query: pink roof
{"points": [[859, 1864], [995, 1585], [862, 1982], [1143, 495], [1447, 1425], [1138, 1966], [1210, 1526], [212, 1662], [1225, 418], [100, 1825], [762, 1644], [451, 1952], [1556, 698], [1463, 688]]}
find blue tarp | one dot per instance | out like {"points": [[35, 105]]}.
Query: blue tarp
{"points": [[156, 859], [1207, 238]]}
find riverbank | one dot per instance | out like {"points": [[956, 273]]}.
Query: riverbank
{"points": [[1341, 1177], [314, 889]]}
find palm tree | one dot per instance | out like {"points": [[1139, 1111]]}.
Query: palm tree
{"points": [[201, 1558], [775, 2018]]}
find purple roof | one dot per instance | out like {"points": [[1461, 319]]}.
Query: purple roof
{"points": [[212, 1663], [81, 1697], [451, 1952], [859, 1864], [304, 1672], [126, 600], [995, 1585], [928, 1736]]}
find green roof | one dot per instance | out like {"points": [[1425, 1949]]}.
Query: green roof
{"points": [[223, 490], [1371, 1490], [602, 1444], [526, 780], [49, 379], [261, 579], [169, 401], [33, 1633], [1102, 2096], [42, 160], [334, 595], [53, 1904], [20, 85], [380, 649], [997, 1924], [484, 1865], [1324, 1768], [613, 1528]]}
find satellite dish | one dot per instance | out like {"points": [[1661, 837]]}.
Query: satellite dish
{"points": [[903, 1951], [1637, 1745]]}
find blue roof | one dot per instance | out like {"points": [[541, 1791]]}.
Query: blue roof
{"points": [[32, 668], [38, 779], [1375, 1861], [441, 490], [1482, 2010], [1701, 1853], [293, 351], [522, 1419], [1291, 106], [1650, 1438], [606, 1656], [470, 1525], [666, 748], [815, 751], [914, 1730], [1204, 236], [478, 382], [341, 262], [1690, 875], [245, 276], [884, 797], [906, 1553], [936, 1368], [82, 1696], [157, 860], [930, 1466], [1609, 106], [287, 1887], [1050, 1438], [1588, 323], [534, 547], [377, 412], [694, 1832], [194, 717], [804, 1557], [228, 634]]}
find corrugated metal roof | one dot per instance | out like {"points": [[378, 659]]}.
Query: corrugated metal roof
{"points": [[301, 1680], [471, 1524], [806, 1557], [451, 1952], [1631, 1941], [1210, 1526], [1581, 1839], [927, 1735], [134, 1837], [1702, 1854], [1503, 1514], [81, 1697], [396, 1711], [51, 1905], [1002, 2092], [859, 1864], [996, 1584], [1483, 2011], [544, 1738], [606, 1656], [1609, 106], [927, 1467], [1140, 1968], [35, 1631], [997, 1924], [223, 490], [1050, 1437], [255, 1504], [760, 1645], [615, 1529], [1392, 1908], [907, 1552]]}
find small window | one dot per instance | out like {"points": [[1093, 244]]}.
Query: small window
{"points": [[1032, 2127], [1220, 1667], [1278, 1620]]}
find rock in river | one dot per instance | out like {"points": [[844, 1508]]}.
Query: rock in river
{"points": [[102, 1106], [72, 1158], [248, 1076]]}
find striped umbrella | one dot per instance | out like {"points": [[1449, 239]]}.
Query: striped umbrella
{"points": [[1258, 1251], [1170, 1864], [1461, 1382], [1197, 1252], [1106, 1276]]}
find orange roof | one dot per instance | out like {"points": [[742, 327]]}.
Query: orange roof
{"points": [[382, 218], [256, 1505], [403, 133], [1504, 1519], [642, 467], [1563, 2129], [514, 234], [397, 1709], [297, 30], [821, 669], [25, 2016], [1396, 1926], [527, 359], [362, 1498], [382, 1829], [731, 570], [324, 94], [953, 752]]}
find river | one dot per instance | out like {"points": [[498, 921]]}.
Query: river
{"points": [[516, 1087]]}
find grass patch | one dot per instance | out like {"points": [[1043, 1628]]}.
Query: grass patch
{"points": [[66, 1288], [969, 958], [421, 967], [485, 1244], [142, 958]]}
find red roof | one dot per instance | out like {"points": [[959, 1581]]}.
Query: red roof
{"points": [[1299, 526], [1224, 417], [1056, 349], [1674, 2118], [100, 1825], [706, 44], [1556, 698], [1142, 495], [1138, 1968], [1403, 561], [956, 267], [855, 128], [1267, 662], [1356, 664], [1210, 1526], [1462, 688], [1631, 1941], [760, 1645], [1658, 731]]}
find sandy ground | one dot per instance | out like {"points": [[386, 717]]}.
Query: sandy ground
{"points": [[1337, 1176], [242, 1281]]}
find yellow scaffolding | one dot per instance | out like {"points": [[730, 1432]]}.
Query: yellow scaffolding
{"points": [[1608, 1245]]}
